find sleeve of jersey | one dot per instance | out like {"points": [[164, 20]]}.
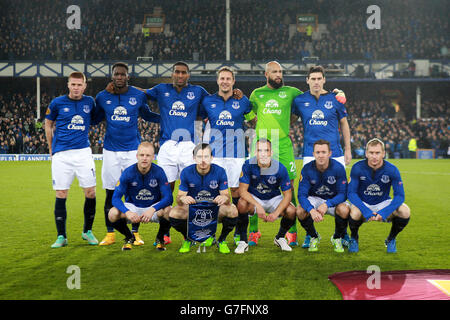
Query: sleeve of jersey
{"points": [[353, 194], [167, 198], [245, 174], [52, 111], [223, 180], [119, 191], [152, 93], [148, 115], [285, 181], [248, 114], [253, 103], [183, 181], [303, 190], [98, 114], [341, 109], [294, 108], [399, 195], [341, 187]]}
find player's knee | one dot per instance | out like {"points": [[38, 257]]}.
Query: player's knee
{"points": [[301, 213], [242, 206], [62, 194], [232, 211], [404, 211], [343, 210], [113, 214], [89, 193], [178, 213], [355, 213], [291, 212], [165, 213]]}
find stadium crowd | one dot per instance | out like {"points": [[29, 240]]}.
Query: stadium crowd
{"points": [[19, 133], [410, 29]]}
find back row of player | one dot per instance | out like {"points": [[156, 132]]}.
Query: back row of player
{"points": [[179, 106]]}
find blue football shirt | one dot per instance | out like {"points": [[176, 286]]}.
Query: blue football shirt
{"points": [[320, 118], [121, 112], [226, 118], [178, 110], [373, 186], [72, 121], [143, 190], [330, 184], [265, 183], [203, 187]]}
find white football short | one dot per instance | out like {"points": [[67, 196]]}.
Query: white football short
{"points": [[341, 160], [233, 168], [269, 205], [66, 165], [114, 163], [379, 206], [140, 212], [174, 156], [317, 201]]}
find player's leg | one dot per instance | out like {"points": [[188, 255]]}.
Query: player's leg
{"points": [[345, 238], [89, 215], [62, 176], [400, 219], [168, 156], [355, 221], [119, 222], [178, 220], [228, 215], [287, 158], [243, 208], [110, 175], [164, 226], [60, 213], [307, 223], [341, 214], [288, 218], [85, 172], [253, 228], [128, 158]]}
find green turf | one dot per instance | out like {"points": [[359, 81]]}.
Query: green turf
{"points": [[30, 269]]}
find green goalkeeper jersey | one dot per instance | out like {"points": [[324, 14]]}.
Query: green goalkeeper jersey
{"points": [[273, 110]]}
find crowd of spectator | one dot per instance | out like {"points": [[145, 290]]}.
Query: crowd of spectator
{"points": [[20, 133], [260, 30]]}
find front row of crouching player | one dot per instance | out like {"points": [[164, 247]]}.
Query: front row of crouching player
{"points": [[264, 190]]}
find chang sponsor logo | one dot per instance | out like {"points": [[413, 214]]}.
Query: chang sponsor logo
{"points": [[144, 195], [317, 119], [77, 123], [120, 114], [373, 190], [225, 119], [204, 195], [272, 107], [178, 109], [324, 191]]}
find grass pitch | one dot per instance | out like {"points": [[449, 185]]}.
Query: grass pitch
{"points": [[30, 269]]}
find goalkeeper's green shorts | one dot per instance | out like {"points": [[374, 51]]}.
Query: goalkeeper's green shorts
{"points": [[283, 152]]}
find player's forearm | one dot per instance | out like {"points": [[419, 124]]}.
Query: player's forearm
{"points": [[339, 198], [49, 134], [245, 195], [346, 134]]}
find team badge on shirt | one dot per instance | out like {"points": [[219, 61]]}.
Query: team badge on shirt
{"points": [[190, 95], [132, 101], [328, 104]]}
